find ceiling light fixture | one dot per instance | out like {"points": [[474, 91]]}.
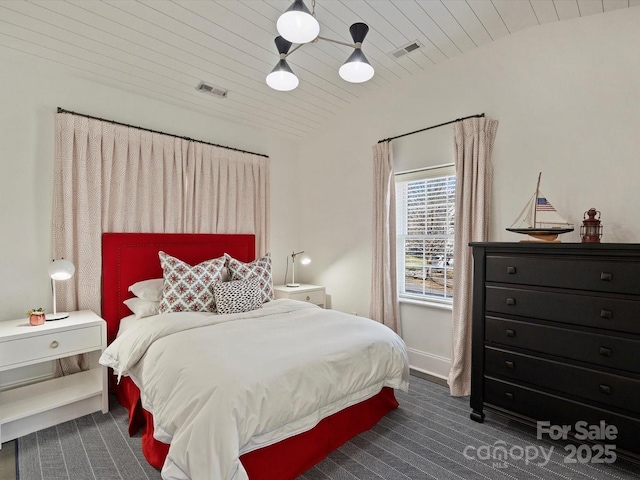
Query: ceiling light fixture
{"points": [[298, 25]]}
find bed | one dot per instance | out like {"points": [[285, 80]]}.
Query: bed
{"points": [[129, 258]]}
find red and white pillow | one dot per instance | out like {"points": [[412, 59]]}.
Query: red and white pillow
{"points": [[259, 268], [189, 288]]}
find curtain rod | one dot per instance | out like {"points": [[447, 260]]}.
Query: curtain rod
{"points": [[62, 110], [479, 115]]}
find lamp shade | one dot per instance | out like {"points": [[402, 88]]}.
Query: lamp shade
{"points": [[357, 68], [305, 259], [61, 269], [282, 78], [297, 24]]}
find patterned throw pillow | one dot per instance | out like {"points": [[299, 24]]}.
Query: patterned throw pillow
{"points": [[187, 288], [259, 268], [238, 296]]}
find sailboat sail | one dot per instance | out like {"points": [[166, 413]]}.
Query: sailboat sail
{"points": [[546, 214]]}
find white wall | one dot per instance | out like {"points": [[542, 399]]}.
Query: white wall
{"points": [[567, 96], [31, 90]]}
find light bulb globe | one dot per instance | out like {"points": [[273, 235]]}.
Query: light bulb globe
{"points": [[298, 26], [61, 269], [305, 259], [357, 68], [282, 81]]}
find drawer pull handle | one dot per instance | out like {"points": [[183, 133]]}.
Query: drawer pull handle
{"points": [[54, 344], [606, 313], [606, 277], [511, 301], [605, 352], [511, 270], [509, 395], [510, 364], [605, 389], [511, 333], [308, 298]]}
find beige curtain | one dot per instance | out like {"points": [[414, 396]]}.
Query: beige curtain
{"points": [[473, 145], [112, 178], [384, 306]]}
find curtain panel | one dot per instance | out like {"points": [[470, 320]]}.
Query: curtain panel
{"points": [[384, 306], [113, 178], [473, 146]]}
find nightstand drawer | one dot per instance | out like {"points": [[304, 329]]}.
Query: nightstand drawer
{"points": [[316, 296], [51, 345]]}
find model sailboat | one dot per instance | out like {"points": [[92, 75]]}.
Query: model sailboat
{"points": [[540, 219]]}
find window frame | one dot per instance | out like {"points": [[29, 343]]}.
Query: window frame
{"points": [[445, 170]]}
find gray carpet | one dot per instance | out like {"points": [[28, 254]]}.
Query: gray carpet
{"points": [[425, 438]]}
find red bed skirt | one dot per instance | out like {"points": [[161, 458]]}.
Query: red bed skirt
{"points": [[284, 460]]}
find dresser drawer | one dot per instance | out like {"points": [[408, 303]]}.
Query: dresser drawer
{"points": [[580, 274], [593, 311], [591, 385], [606, 350], [537, 405], [316, 296], [51, 345]]}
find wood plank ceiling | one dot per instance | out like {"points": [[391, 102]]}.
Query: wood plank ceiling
{"points": [[165, 48]]}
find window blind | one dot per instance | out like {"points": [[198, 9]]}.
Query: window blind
{"points": [[425, 219]]}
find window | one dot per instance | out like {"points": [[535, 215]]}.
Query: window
{"points": [[425, 219]]}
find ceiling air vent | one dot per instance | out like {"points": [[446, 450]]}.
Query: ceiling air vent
{"points": [[210, 90], [402, 51]]}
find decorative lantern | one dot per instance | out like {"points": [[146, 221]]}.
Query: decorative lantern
{"points": [[591, 230]]}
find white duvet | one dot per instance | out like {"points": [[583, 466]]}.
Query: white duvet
{"points": [[220, 386]]}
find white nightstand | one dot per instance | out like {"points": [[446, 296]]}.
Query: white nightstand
{"points": [[32, 407], [305, 293]]}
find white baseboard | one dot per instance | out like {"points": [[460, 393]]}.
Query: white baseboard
{"points": [[429, 363]]}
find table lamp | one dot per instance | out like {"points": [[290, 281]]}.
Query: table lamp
{"points": [[304, 260], [59, 270]]}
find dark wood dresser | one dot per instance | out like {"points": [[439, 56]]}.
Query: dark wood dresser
{"points": [[556, 334]]}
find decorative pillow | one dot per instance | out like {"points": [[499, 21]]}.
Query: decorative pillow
{"points": [[142, 308], [238, 296], [259, 268], [150, 290], [189, 288]]}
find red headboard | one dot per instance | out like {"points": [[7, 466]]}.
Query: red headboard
{"points": [[128, 258]]}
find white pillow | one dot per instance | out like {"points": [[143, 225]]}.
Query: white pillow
{"points": [[150, 290], [142, 308], [238, 296]]}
